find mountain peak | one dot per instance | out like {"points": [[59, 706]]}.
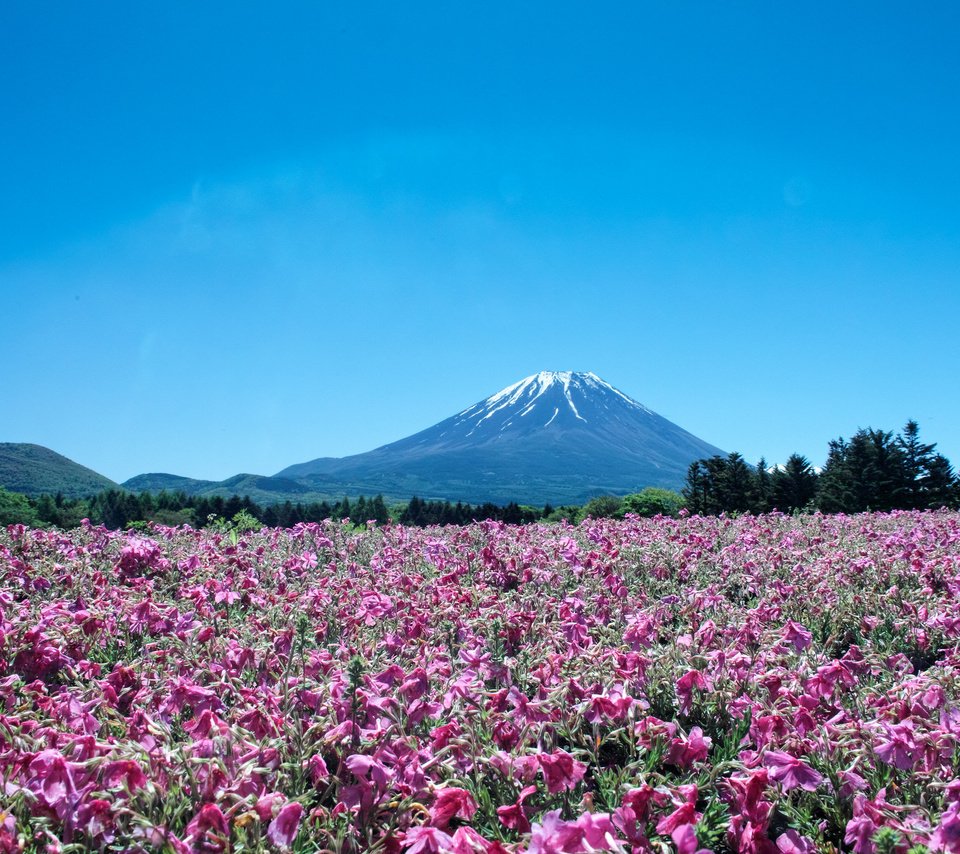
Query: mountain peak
{"points": [[559, 436], [557, 394]]}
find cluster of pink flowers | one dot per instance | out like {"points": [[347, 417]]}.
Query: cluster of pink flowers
{"points": [[763, 685]]}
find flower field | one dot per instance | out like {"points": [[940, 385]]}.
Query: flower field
{"points": [[761, 684]]}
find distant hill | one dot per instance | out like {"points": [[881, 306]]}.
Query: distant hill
{"points": [[159, 481], [35, 470], [259, 488]]}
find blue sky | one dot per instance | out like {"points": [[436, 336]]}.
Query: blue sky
{"points": [[237, 236]]}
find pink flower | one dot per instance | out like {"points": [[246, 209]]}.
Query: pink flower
{"points": [[862, 826], [790, 772], [467, 841], [208, 831], [684, 814], [631, 818], [685, 838], [792, 842], [561, 771], [899, 749], [284, 828], [451, 803], [124, 773], [685, 685], [751, 838], [427, 840], [95, 818], [513, 816], [588, 833], [318, 769], [947, 835], [52, 779], [684, 752], [797, 636]]}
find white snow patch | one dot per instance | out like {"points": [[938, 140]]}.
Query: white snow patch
{"points": [[527, 391], [556, 412]]}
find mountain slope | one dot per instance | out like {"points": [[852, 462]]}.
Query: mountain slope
{"points": [[35, 470], [553, 436]]}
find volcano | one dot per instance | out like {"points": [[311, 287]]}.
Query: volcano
{"points": [[555, 436]]}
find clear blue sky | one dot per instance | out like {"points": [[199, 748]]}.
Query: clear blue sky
{"points": [[237, 236]]}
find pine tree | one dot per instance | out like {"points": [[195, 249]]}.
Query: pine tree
{"points": [[737, 486], [378, 511], [834, 492], [795, 485], [939, 485], [763, 488], [696, 491], [916, 459]]}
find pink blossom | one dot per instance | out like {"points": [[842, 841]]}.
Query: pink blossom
{"points": [[684, 751], [513, 815], [791, 842], [560, 770], [946, 837], [791, 772], [52, 779], [899, 748], [467, 841], [747, 796], [427, 840], [283, 829], [692, 679], [685, 838], [861, 828], [450, 803], [798, 636], [208, 831], [588, 833], [684, 814]]}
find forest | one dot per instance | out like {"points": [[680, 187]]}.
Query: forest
{"points": [[875, 470]]}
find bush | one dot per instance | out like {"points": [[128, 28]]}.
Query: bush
{"points": [[653, 501], [602, 507], [15, 509]]}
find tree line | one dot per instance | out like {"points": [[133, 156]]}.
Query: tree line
{"points": [[874, 470], [116, 509]]}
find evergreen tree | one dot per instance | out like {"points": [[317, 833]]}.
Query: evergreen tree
{"points": [[916, 459], [359, 513], [697, 489], [834, 488], [377, 511], [736, 485], [763, 488], [413, 512], [794, 485], [868, 473], [939, 485]]}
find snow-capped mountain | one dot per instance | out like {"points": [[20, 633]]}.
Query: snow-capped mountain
{"points": [[550, 395], [557, 436]]}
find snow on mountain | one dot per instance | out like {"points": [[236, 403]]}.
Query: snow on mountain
{"points": [[558, 436], [543, 393]]}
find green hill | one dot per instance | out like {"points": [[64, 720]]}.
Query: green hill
{"points": [[35, 470], [158, 481]]}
